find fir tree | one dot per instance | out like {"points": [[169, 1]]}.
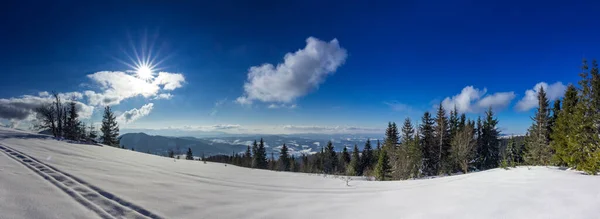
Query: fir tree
{"points": [[412, 151], [428, 146], [189, 155], [110, 128], [382, 169], [537, 139], [284, 159]]}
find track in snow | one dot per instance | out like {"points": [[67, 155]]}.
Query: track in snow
{"points": [[103, 203]]}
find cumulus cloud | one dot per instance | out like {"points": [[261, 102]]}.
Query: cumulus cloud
{"points": [[135, 114], [553, 92], [471, 99], [117, 86], [22, 108], [300, 73]]}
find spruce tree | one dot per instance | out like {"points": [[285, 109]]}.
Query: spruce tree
{"points": [[537, 139], [382, 169], [453, 123], [284, 159], [462, 123], [562, 129], [110, 128], [354, 168], [554, 117], [93, 134], [410, 147], [248, 158], [255, 158], [480, 149], [329, 159], [71, 128], [189, 155], [261, 156], [490, 142], [345, 156], [367, 157], [442, 140], [428, 146], [583, 147]]}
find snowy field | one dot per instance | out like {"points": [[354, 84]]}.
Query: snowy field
{"points": [[44, 178]]}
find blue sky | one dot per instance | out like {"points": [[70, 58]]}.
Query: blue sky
{"points": [[351, 66]]}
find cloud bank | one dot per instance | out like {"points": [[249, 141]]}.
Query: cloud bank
{"points": [[300, 73]]}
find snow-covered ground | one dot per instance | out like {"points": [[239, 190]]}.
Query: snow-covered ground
{"points": [[44, 178]]}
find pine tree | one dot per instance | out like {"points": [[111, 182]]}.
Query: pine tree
{"points": [[537, 139], [189, 155], [562, 128], [354, 168], [284, 159], [442, 138], [428, 145], [382, 169], [110, 128]]}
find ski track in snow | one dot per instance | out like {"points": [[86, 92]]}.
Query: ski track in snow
{"points": [[103, 203]]}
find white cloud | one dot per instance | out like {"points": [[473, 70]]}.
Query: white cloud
{"points": [[117, 86], [300, 73], [22, 108], [165, 96], [472, 100], [213, 127], [553, 92], [135, 114], [498, 100]]}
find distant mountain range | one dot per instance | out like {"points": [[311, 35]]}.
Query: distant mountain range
{"points": [[297, 144]]}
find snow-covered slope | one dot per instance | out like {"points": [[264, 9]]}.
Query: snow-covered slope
{"points": [[44, 178]]}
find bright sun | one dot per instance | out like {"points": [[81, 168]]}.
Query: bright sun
{"points": [[144, 72]]}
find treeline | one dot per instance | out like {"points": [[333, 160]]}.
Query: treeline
{"points": [[440, 145], [62, 120], [569, 133]]}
